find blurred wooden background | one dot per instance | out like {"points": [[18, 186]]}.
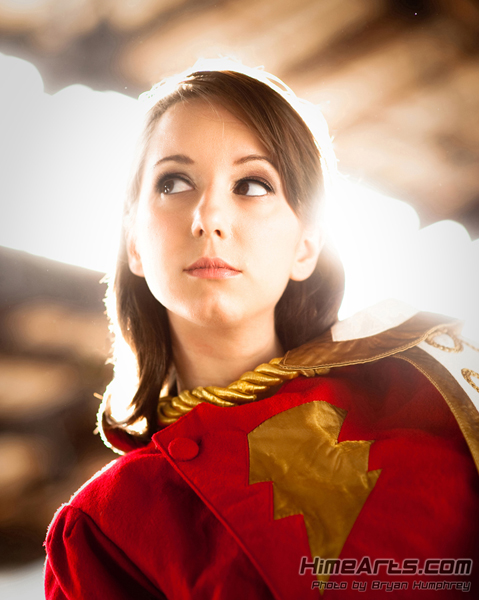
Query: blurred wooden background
{"points": [[398, 81], [54, 344]]}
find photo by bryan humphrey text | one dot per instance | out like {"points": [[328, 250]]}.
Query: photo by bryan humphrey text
{"points": [[412, 573]]}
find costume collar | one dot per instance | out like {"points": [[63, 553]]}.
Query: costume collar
{"points": [[377, 332]]}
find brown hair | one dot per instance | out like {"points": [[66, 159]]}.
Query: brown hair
{"points": [[305, 310]]}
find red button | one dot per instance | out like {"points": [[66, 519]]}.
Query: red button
{"points": [[183, 449]]}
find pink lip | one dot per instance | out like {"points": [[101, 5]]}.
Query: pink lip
{"points": [[211, 268]]}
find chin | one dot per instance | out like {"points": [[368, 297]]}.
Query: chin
{"points": [[217, 316]]}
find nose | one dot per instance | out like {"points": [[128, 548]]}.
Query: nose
{"points": [[212, 216]]}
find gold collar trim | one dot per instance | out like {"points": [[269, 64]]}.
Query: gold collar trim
{"points": [[325, 352], [247, 388]]}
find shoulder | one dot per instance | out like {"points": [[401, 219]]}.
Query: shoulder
{"points": [[137, 489], [122, 486], [386, 329], [430, 344], [119, 477]]}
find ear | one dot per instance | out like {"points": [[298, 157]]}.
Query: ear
{"points": [[134, 258], [307, 253]]}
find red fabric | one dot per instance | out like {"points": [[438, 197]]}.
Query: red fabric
{"points": [[197, 529]]}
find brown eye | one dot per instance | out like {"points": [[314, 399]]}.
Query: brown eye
{"points": [[252, 187], [173, 185]]}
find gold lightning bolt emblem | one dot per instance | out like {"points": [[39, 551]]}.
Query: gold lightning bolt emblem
{"points": [[312, 474]]}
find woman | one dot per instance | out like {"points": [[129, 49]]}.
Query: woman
{"points": [[334, 469]]}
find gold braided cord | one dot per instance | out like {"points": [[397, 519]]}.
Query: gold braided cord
{"points": [[459, 342], [246, 389], [470, 345], [468, 374]]}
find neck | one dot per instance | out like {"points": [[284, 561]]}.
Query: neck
{"points": [[217, 356]]}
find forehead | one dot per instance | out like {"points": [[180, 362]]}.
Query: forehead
{"points": [[203, 125]]}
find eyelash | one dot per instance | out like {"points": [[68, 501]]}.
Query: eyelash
{"points": [[168, 176], [259, 180]]}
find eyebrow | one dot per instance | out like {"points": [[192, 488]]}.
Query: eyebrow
{"points": [[186, 160], [251, 157], [180, 158]]}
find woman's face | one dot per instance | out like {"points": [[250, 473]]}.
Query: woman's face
{"points": [[214, 235]]}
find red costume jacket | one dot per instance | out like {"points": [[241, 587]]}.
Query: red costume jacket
{"points": [[360, 480]]}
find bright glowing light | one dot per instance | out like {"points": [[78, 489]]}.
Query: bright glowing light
{"points": [[387, 255], [65, 160], [369, 231]]}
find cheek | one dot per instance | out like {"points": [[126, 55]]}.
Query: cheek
{"points": [[274, 246], [155, 243], [157, 234], [280, 236]]}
